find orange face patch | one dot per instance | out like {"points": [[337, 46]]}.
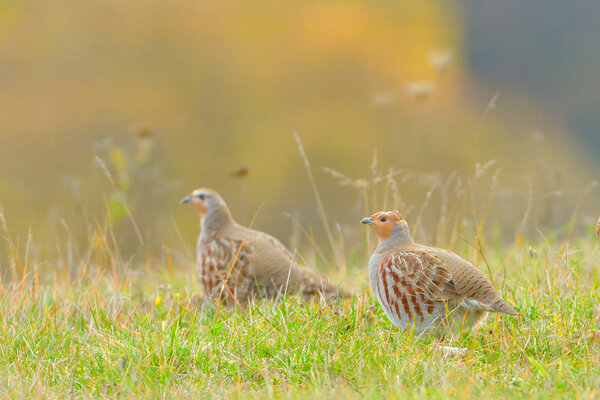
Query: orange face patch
{"points": [[384, 224], [201, 207]]}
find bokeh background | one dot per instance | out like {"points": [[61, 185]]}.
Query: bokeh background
{"points": [[109, 107]]}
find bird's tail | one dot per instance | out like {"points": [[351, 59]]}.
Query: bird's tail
{"points": [[502, 306]]}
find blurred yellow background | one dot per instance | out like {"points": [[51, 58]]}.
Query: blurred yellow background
{"points": [[176, 95]]}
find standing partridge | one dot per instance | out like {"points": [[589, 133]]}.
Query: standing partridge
{"points": [[598, 226], [236, 263], [431, 289]]}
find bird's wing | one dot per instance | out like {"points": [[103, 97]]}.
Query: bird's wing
{"points": [[444, 276], [417, 274], [411, 286], [273, 265]]}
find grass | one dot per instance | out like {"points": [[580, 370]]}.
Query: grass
{"points": [[97, 338], [84, 321]]}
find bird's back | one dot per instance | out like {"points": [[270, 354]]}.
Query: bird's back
{"points": [[269, 269], [469, 281]]}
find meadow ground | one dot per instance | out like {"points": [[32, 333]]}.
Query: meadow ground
{"points": [[122, 336]]}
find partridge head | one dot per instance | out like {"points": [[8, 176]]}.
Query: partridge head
{"points": [[389, 226], [212, 208], [206, 201]]}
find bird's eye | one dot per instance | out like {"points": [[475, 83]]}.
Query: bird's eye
{"points": [[383, 219], [201, 196]]}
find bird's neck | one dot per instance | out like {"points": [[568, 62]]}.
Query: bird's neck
{"points": [[215, 220], [398, 238]]}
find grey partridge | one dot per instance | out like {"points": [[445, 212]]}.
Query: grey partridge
{"points": [[430, 289], [236, 264]]}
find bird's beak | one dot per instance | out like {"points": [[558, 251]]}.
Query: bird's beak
{"points": [[367, 221], [186, 199]]}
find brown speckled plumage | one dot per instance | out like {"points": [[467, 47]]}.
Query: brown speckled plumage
{"points": [[236, 263], [429, 288]]}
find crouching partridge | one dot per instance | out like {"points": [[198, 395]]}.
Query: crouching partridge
{"points": [[430, 289], [236, 263]]}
